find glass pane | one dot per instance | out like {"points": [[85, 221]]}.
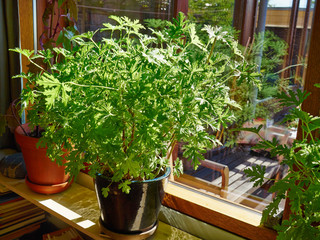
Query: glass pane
{"points": [[214, 12], [280, 54], [92, 13]]}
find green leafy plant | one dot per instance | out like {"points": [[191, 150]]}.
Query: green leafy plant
{"points": [[122, 104], [302, 183], [59, 18]]}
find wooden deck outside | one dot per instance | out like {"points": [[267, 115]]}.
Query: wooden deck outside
{"points": [[231, 182]]}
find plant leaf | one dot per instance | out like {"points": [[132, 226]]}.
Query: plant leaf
{"points": [[256, 173]]}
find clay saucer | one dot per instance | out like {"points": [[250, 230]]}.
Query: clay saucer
{"points": [[48, 189]]}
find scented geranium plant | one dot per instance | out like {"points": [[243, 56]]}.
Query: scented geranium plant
{"points": [[301, 186], [122, 103]]}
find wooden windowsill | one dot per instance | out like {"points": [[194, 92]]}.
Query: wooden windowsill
{"points": [[221, 213], [218, 212], [83, 203]]}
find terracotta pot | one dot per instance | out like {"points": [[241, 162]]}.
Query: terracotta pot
{"points": [[43, 175], [132, 213]]}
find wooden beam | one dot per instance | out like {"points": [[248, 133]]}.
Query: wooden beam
{"points": [[180, 6], [291, 37], [244, 16], [312, 103], [26, 30]]}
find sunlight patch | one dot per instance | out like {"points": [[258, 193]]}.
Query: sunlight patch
{"points": [[67, 213]]}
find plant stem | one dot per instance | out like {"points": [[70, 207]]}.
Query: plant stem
{"points": [[13, 105], [97, 86], [36, 65], [124, 139], [211, 51], [133, 127], [171, 146]]}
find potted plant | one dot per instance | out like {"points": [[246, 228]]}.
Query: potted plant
{"points": [[43, 174], [122, 103], [301, 186]]}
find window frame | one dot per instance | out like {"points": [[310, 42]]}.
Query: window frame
{"points": [[221, 213], [186, 200]]}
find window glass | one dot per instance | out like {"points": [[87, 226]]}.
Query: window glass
{"points": [[214, 12], [279, 49], [92, 13]]}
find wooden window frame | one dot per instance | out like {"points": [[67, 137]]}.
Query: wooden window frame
{"points": [[223, 214]]}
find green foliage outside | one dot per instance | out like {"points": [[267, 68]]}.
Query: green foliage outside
{"points": [[274, 49], [122, 103], [212, 12]]}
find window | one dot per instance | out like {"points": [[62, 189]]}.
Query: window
{"points": [[218, 175], [217, 216], [279, 49]]}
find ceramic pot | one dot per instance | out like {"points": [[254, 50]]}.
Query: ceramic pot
{"points": [[131, 213], [43, 175]]}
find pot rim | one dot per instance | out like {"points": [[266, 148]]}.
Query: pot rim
{"points": [[165, 175]]}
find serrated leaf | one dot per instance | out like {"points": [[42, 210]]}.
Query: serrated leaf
{"points": [[178, 167], [210, 30], [124, 186], [62, 51], [25, 52], [195, 40], [105, 191], [51, 96], [314, 124], [292, 98], [266, 144], [271, 209], [48, 80], [236, 50], [256, 173], [302, 115], [253, 130]]}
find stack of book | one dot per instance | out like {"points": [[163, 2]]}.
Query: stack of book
{"points": [[17, 215]]}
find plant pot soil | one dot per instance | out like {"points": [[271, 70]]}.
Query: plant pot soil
{"points": [[132, 213], [43, 175]]}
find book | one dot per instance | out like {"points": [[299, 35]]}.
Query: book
{"points": [[9, 197], [18, 217], [18, 206], [39, 218], [21, 231], [63, 234]]}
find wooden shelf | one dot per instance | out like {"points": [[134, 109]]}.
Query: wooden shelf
{"points": [[84, 206]]}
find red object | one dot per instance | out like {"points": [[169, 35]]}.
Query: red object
{"points": [[44, 175], [87, 168]]}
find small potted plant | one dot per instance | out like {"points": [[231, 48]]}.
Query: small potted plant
{"points": [[122, 103], [301, 186], [43, 174]]}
